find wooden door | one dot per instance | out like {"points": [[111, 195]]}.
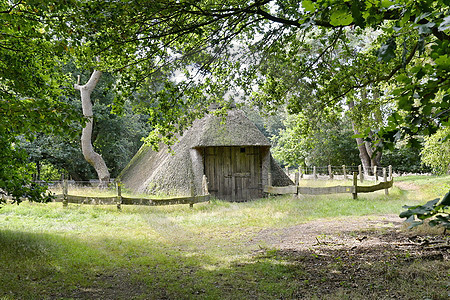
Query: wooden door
{"points": [[234, 173]]}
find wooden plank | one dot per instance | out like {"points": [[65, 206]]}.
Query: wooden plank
{"points": [[325, 190], [233, 188], [169, 201], [227, 173], [373, 188], [242, 174], [280, 190], [88, 200]]}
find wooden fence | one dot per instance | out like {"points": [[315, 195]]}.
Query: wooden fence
{"points": [[353, 189], [120, 200], [340, 172]]}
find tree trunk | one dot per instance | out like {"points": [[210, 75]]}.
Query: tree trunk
{"points": [[362, 147], [95, 159], [363, 153]]}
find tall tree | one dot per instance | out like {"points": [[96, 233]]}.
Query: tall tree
{"points": [[89, 154], [328, 143]]}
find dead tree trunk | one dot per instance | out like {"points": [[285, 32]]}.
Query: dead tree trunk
{"points": [[95, 159]]}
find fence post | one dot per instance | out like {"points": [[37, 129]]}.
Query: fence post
{"points": [[330, 172], [361, 175], [300, 172], [375, 173], [390, 172], [205, 185], [65, 192], [344, 172], [386, 191], [355, 185], [119, 195], [191, 205], [314, 172]]}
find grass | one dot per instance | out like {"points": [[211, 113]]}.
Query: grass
{"points": [[205, 252]]}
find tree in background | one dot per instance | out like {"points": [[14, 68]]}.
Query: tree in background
{"points": [[404, 159], [269, 124], [436, 151], [330, 143], [116, 136]]}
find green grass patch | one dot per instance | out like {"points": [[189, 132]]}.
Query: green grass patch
{"points": [[425, 188]]}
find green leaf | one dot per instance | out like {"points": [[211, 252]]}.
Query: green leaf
{"points": [[422, 211], [403, 79], [387, 50], [443, 61], [446, 200], [341, 17], [356, 13], [308, 5], [445, 24], [425, 28], [413, 223], [386, 3]]}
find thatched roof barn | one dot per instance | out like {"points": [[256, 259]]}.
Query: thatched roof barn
{"points": [[233, 154]]}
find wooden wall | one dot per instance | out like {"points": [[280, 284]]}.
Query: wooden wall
{"points": [[234, 173]]}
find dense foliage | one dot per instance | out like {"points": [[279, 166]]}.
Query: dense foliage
{"points": [[436, 151], [332, 143], [314, 56], [404, 160], [31, 86]]}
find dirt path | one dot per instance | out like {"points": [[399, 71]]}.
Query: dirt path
{"points": [[358, 256], [335, 234]]}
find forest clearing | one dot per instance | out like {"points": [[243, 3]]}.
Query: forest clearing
{"points": [[315, 247], [201, 106]]}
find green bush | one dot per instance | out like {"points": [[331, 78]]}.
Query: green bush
{"points": [[404, 160], [436, 151]]}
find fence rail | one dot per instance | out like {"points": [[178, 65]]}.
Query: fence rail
{"points": [[119, 200], [340, 172], [131, 201], [353, 189]]}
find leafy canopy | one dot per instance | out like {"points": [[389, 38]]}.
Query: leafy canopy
{"points": [[312, 55]]}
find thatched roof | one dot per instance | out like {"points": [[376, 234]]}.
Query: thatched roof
{"points": [[176, 172], [162, 172], [235, 130], [279, 178]]}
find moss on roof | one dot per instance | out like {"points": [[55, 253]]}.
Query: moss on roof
{"points": [[235, 130]]}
